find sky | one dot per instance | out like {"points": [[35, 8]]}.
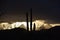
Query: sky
{"points": [[41, 9]]}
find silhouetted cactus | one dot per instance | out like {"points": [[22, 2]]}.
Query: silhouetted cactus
{"points": [[34, 27], [27, 21], [31, 19]]}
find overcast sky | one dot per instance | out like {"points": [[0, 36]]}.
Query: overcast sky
{"points": [[41, 9]]}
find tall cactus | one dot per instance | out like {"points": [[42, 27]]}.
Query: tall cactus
{"points": [[27, 21], [34, 27], [31, 19]]}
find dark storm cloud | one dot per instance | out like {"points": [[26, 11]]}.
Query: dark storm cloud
{"points": [[43, 9]]}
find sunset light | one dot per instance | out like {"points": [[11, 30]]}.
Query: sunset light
{"points": [[39, 23]]}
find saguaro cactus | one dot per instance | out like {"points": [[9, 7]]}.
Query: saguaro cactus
{"points": [[27, 21], [34, 27], [31, 19]]}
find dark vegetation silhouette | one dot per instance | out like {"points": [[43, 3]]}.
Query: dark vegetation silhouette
{"points": [[31, 19], [19, 33], [27, 21], [34, 27]]}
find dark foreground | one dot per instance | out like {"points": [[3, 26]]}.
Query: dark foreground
{"points": [[21, 34]]}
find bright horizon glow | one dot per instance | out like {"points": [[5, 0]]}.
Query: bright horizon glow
{"points": [[39, 24]]}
